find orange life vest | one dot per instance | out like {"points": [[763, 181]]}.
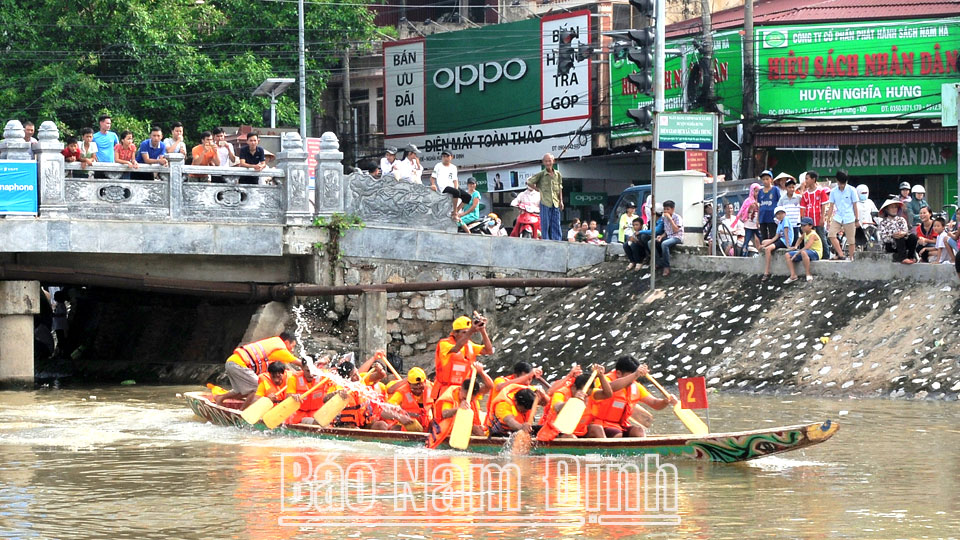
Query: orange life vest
{"points": [[256, 355], [355, 413], [314, 401], [549, 413], [415, 407], [441, 427], [616, 409], [274, 392], [456, 368], [506, 395]]}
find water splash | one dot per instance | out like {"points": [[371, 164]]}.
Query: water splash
{"points": [[299, 315]]}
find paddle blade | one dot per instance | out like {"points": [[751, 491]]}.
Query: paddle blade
{"points": [[330, 410], [548, 432], [462, 429], [691, 420], [279, 414], [414, 427], [569, 416], [253, 413]]}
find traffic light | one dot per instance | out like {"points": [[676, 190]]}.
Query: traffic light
{"points": [[565, 54], [641, 54]]}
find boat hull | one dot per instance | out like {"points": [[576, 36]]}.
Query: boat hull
{"points": [[718, 447]]}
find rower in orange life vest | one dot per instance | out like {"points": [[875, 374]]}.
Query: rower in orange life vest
{"points": [[610, 416], [360, 411], [453, 398], [512, 410], [572, 386], [523, 373], [456, 353], [302, 381], [275, 384], [250, 361], [414, 397]]}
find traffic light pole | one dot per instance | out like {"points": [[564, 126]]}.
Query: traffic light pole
{"points": [[656, 157]]}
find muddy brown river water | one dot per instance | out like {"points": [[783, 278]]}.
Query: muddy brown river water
{"points": [[133, 462]]}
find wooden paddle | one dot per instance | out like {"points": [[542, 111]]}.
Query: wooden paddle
{"points": [[279, 414], [521, 439], [334, 406], [254, 412], [688, 417], [463, 421], [569, 416]]}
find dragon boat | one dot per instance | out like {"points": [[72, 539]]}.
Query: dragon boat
{"points": [[718, 447]]}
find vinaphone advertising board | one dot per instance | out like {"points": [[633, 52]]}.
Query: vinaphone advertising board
{"points": [[855, 70], [727, 77], [490, 95]]}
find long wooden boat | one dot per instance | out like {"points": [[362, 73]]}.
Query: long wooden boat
{"points": [[718, 447]]}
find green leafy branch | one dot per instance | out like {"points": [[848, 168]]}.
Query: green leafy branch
{"points": [[338, 225]]}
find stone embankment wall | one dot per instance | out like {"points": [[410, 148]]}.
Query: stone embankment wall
{"points": [[830, 336]]}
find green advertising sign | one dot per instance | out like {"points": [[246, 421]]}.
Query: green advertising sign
{"points": [[900, 159], [581, 198], [727, 76], [855, 70]]}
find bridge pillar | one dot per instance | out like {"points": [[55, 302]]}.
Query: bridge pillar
{"points": [[293, 160], [14, 147], [484, 301], [330, 192], [53, 197], [19, 302], [373, 322]]}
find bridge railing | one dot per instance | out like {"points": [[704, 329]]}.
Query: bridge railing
{"points": [[166, 193]]}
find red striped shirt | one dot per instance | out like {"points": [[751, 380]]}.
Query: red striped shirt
{"points": [[812, 204]]}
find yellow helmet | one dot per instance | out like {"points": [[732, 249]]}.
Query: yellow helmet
{"points": [[492, 215], [416, 375], [462, 323]]}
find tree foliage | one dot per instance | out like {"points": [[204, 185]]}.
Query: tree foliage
{"points": [[158, 61]]}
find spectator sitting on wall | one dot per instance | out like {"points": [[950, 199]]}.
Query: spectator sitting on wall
{"points": [[809, 249], [626, 221], [782, 239], [865, 211], [646, 235], [388, 161], [729, 242], [895, 234], [205, 154], [370, 167], [175, 143], [926, 235], [790, 201], [842, 209], [767, 199], [945, 252], [472, 211], [444, 179], [583, 232], [593, 235], [253, 157], [672, 235], [125, 152], [917, 201], [632, 245], [574, 229], [410, 169]]}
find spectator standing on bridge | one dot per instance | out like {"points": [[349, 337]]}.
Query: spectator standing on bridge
{"points": [[88, 149], [205, 154], [71, 152], [152, 152], [549, 183], [767, 199], [388, 161], [812, 202], [106, 140], [224, 149], [28, 130], [175, 143], [125, 152], [895, 234], [842, 209], [253, 157]]}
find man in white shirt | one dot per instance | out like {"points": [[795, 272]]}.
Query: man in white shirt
{"points": [[388, 161], [225, 151], [444, 179]]}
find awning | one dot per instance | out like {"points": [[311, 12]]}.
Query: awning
{"points": [[819, 139]]}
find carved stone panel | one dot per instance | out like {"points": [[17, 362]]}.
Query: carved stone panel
{"points": [[389, 202], [115, 199], [231, 202]]}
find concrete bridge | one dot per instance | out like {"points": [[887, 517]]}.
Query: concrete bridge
{"points": [[99, 221]]}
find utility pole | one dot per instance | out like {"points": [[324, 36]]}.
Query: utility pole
{"points": [[749, 88], [707, 55], [303, 75], [347, 108]]}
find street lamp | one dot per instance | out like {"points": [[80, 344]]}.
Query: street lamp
{"points": [[272, 88]]}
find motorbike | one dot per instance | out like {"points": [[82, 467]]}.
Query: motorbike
{"points": [[527, 224]]}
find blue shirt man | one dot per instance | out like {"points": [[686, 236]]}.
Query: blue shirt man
{"points": [[844, 199], [152, 150], [106, 140]]}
